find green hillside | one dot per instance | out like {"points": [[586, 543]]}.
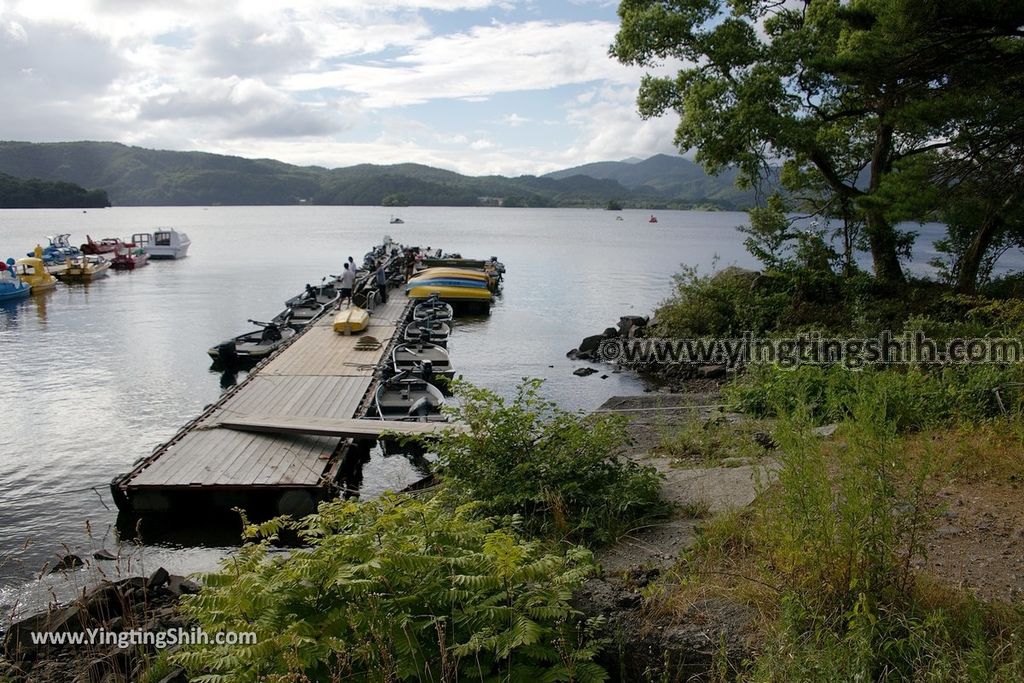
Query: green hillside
{"points": [[133, 176], [16, 193]]}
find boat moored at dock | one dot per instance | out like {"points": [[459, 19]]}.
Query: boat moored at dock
{"points": [[404, 398], [433, 309], [252, 347], [129, 257], [432, 331], [423, 360]]}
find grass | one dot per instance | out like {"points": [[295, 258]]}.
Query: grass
{"points": [[714, 442], [823, 558]]}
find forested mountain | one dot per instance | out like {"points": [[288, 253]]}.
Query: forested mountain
{"points": [[133, 176]]}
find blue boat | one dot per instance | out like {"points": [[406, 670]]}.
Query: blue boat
{"points": [[57, 251], [446, 282], [11, 288]]}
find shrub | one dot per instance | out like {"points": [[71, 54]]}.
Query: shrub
{"points": [[395, 590], [562, 472]]}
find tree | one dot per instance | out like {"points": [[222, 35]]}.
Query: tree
{"points": [[846, 92]]}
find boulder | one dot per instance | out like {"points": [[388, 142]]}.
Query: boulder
{"points": [[583, 372], [158, 578], [711, 371], [67, 562], [104, 554], [179, 585]]}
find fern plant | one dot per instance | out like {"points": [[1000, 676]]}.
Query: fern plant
{"points": [[396, 589]]}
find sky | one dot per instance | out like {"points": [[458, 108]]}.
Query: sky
{"points": [[476, 86]]}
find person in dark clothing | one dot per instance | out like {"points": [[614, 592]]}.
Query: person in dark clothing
{"points": [[382, 282]]}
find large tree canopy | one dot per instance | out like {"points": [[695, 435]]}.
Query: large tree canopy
{"points": [[847, 93]]}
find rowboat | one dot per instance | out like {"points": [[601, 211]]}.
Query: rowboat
{"points": [[351, 320]]}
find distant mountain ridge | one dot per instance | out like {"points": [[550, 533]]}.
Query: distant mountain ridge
{"points": [[134, 176]]}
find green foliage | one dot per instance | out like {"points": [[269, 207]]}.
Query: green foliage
{"points": [[915, 397], [395, 589], [562, 472], [846, 92], [40, 194]]}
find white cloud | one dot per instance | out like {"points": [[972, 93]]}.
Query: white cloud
{"points": [[514, 120], [484, 61]]}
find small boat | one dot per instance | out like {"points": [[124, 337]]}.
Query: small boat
{"points": [[618, 218], [163, 243], [395, 220], [11, 287], [652, 219], [453, 293], [351, 320], [32, 271], [56, 252], [409, 399], [422, 360], [302, 308], [251, 347], [433, 331], [301, 314], [85, 268], [107, 245], [433, 309], [326, 294], [130, 257]]}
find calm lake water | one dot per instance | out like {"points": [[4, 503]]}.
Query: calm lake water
{"points": [[95, 376]]}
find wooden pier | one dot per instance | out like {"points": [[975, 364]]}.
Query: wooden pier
{"points": [[278, 439]]}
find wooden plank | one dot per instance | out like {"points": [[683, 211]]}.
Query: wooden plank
{"points": [[345, 428]]}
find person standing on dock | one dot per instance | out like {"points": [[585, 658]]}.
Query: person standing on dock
{"points": [[382, 282], [348, 281], [352, 266]]}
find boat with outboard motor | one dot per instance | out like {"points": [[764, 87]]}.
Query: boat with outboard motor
{"points": [[432, 331], [433, 309], [423, 360], [408, 398], [252, 347]]}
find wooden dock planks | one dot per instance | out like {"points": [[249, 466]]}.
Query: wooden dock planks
{"points": [[320, 375], [341, 427]]}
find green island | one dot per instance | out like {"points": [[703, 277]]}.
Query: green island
{"points": [[41, 194]]}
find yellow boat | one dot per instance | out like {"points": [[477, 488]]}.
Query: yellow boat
{"points": [[85, 268], [449, 272], [32, 271], [447, 292], [352, 319]]}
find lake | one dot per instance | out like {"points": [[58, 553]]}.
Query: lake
{"points": [[95, 376]]}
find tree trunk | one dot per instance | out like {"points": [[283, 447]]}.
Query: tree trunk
{"points": [[970, 262], [882, 240]]}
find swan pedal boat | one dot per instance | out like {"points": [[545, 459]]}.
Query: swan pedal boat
{"points": [[33, 272]]}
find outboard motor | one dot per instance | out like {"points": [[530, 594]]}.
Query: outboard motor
{"points": [[227, 354], [271, 333], [427, 370], [420, 409]]}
